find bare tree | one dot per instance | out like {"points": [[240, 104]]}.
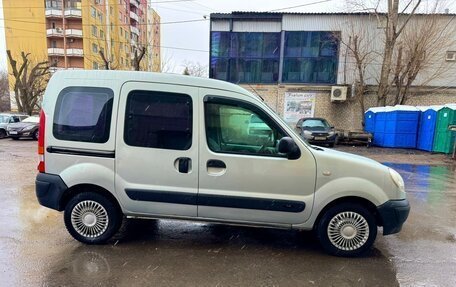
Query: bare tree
{"points": [[138, 56], [195, 69], [418, 58], [4, 92], [30, 81], [167, 64], [357, 46]]}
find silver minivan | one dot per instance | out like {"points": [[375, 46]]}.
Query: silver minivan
{"points": [[115, 145]]}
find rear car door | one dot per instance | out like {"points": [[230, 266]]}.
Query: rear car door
{"points": [[157, 149]]}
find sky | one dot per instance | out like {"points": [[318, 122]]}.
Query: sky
{"points": [[189, 42]]}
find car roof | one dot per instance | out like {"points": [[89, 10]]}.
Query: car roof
{"points": [[126, 76]]}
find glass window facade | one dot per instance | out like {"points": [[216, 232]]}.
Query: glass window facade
{"points": [[250, 57], [310, 57], [245, 57]]}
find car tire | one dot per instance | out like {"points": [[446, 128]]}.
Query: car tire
{"points": [[92, 218], [35, 135], [347, 229], [15, 138], [2, 134]]}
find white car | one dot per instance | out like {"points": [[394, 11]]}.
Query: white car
{"points": [[117, 144]]}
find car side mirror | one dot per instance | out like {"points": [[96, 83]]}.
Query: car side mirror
{"points": [[289, 147]]}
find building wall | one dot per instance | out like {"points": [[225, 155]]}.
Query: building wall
{"points": [[345, 115], [154, 41]]}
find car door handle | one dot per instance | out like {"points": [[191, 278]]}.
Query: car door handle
{"points": [[216, 163], [183, 164], [215, 167]]}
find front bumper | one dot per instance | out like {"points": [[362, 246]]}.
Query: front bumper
{"points": [[49, 190], [393, 214], [18, 134]]}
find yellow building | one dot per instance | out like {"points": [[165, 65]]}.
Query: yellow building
{"points": [[74, 34]]}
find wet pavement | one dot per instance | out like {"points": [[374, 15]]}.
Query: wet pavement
{"points": [[36, 250]]}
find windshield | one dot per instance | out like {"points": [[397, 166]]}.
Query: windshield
{"points": [[31, 120], [4, 119], [315, 124]]}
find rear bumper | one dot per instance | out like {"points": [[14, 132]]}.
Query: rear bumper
{"points": [[393, 214], [49, 190]]}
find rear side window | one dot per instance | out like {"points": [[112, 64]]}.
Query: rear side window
{"points": [[83, 114], [158, 120]]}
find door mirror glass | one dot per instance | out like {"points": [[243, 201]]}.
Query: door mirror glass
{"points": [[289, 147]]}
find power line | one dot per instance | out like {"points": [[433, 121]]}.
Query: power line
{"points": [[297, 6], [105, 25], [114, 41], [90, 5]]}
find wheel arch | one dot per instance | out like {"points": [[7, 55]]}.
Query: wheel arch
{"points": [[350, 199], [80, 188]]}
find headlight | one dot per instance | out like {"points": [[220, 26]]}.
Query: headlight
{"points": [[8, 128], [397, 179], [307, 134], [27, 128], [331, 133]]}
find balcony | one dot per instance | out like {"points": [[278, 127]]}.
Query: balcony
{"points": [[73, 13], [53, 12], [134, 3], [75, 52], [75, 33], [55, 51], [134, 16], [58, 32], [134, 30]]}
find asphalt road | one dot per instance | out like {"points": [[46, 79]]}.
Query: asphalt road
{"points": [[36, 250]]}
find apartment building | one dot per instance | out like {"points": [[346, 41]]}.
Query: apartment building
{"points": [[82, 34]]}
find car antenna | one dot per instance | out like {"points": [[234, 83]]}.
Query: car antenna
{"points": [[250, 86]]}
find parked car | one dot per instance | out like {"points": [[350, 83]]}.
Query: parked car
{"points": [[317, 131], [28, 128], [9, 118], [140, 144]]}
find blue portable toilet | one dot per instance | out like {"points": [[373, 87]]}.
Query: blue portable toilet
{"points": [[426, 128], [369, 119], [379, 125], [401, 127]]}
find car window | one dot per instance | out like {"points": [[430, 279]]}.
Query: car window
{"points": [[158, 120], [315, 124], [239, 129], [4, 119], [83, 114], [31, 120]]}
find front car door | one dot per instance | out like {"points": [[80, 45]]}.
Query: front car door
{"points": [[242, 176], [157, 150]]}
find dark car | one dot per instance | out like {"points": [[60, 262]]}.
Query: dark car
{"points": [[27, 128], [317, 131]]}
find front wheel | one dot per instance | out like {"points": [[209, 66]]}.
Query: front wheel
{"points": [[347, 229], [92, 218]]}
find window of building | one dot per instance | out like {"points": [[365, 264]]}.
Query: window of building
{"points": [[121, 31], [102, 50], [245, 57], [94, 31], [93, 12], [100, 16], [111, 11], [95, 66], [97, 2], [102, 35], [158, 120], [53, 44], [310, 57], [94, 48], [84, 114], [240, 128]]}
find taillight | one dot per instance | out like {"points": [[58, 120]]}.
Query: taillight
{"points": [[41, 134]]}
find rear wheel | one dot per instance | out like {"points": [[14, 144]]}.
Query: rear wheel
{"points": [[2, 134], [347, 229], [35, 134], [92, 218]]}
